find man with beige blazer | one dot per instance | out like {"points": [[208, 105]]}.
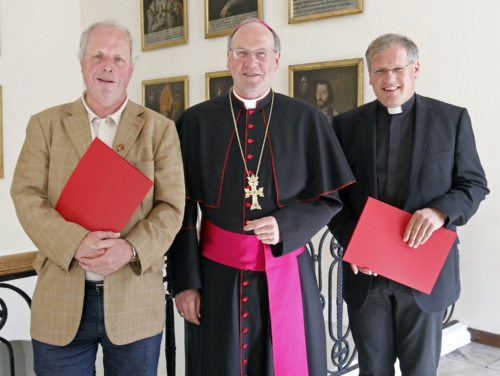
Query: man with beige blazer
{"points": [[99, 287]]}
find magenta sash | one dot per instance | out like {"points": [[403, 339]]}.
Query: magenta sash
{"points": [[246, 252]]}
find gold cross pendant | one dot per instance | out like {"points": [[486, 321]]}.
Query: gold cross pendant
{"points": [[254, 192]]}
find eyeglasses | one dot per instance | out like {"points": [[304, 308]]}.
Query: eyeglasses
{"points": [[382, 72], [260, 54]]}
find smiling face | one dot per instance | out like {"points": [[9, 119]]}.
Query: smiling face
{"points": [[392, 77], [106, 68], [251, 76]]}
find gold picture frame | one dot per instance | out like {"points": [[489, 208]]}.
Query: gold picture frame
{"points": [[307, 10], [168, 96], [341, 79], [1, 135], [221, 16], [163, 23], [217, 83]]}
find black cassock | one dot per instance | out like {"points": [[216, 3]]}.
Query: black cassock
{"points": [[302, 168]]}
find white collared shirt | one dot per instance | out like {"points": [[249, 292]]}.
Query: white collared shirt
{"points": [[105, 129]]}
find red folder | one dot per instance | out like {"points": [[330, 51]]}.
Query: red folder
{"points": [[377, 244], [103, 191]]}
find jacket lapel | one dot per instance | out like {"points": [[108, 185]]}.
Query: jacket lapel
{"points": [[423, 121], [368, 141], [129, 128], [76, 125]]}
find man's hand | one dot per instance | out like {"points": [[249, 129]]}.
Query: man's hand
{"points": [[356, 269], [188, 303], [266, 229], [421, 226], [103, 252], [88, 249]]}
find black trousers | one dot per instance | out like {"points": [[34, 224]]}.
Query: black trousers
{"points": [[390, 325]]}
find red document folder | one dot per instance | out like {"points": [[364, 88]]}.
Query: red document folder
{"points": [[377, 244], [103, 191]]}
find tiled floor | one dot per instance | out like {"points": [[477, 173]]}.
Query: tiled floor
{"points": [[473, 359]]}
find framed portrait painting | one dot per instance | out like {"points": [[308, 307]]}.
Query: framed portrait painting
{"points": [[333, 86], [163, 23], [217, 83], [307, 10], [221, 16], [168, 96]]}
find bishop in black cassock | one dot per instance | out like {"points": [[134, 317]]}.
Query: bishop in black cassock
{"points": [[302, 168]]}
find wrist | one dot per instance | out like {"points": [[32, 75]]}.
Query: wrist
{"points": [[135, 255]]}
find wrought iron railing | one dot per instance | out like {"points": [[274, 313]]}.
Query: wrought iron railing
{"points": [[342, 353], [12, 268]]}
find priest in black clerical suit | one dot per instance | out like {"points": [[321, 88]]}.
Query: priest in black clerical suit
{"points": [[264, 169], [417, 154]]}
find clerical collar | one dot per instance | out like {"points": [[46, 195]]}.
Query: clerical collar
{"points": [[394, 110], [400, 109], [251, 103]]}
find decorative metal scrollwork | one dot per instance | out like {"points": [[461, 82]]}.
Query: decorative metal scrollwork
{"points": [[341, 353], [4, 313]]}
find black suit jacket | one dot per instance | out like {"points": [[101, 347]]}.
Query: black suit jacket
{"points": [[445, 173]]}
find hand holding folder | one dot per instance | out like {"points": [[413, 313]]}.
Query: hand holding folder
{"points": [[377, 244], [103, 191]]}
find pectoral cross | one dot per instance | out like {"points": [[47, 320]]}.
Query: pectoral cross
{"points": [[254, 192]]}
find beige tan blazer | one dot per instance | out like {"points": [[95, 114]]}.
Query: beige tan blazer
{"points": [[134, 302]]}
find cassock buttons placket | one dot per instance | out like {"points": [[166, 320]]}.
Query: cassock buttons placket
{"points": [[244, 321]]}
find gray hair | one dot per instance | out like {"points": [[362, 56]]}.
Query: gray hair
{"points": [[388, 40], [84, 38], [277, 41]]}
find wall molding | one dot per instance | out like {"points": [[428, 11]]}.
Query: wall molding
{"points": [[484, 338]]}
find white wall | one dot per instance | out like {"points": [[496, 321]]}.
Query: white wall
{"points": [[38, 69], [460, 51]]}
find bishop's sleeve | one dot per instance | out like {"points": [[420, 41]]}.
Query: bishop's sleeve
{"points": [[300, 221], [184, 254]]}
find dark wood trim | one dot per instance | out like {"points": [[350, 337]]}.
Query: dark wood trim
{"points": [[17, 263], [484, 338]]}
